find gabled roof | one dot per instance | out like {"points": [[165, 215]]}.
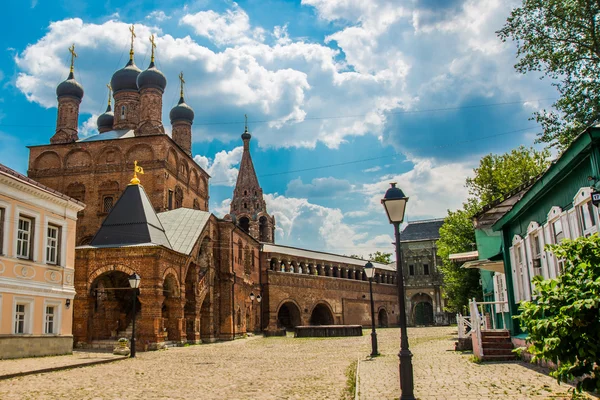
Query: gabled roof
{"points": [[493, 212], [428, 229], [183, 227], [110, 135], [131, 221]]}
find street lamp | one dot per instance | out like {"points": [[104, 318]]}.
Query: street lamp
{"points": [[134, 282], [252, 298], [370, 272], [394, 203]]}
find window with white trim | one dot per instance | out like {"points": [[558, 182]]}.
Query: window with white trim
{"points": [[557, 231], [521, 270], [536, 252], [25, 238], [586, 214], [20, 318], [122, 112], [50, 320], [53, 244]]}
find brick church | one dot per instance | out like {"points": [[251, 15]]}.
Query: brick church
{"points": [[203, 278]]}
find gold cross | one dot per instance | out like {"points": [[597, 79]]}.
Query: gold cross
{"points": [[132, 30], [109, 92], [181, 82], [73, 55], [246, 123], [153, 47]]}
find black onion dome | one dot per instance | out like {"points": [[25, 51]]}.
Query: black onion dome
{"points": [[182, 112], [246, 135], [70, 87], [125, 78], [152, 78], [106, 120]]}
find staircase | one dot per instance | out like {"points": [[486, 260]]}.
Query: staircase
{"points": [[497, 346], [127, 332]]}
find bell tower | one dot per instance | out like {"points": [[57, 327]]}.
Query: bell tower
{"points": [[248, 209]]}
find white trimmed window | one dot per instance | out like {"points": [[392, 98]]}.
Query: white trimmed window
{"points": [[53, 234], [536, 252], [49, 319], [25, 238], [557, 231], [20, 318], [587, 213]]}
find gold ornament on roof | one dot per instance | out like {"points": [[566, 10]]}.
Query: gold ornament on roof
{"points": [[73, 55], [109, 92], [153, 45], [181, 82], [132, 30], [136, 169]]}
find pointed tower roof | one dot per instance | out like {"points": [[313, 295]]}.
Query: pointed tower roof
{"points": [[132, 221], [247, 176]]}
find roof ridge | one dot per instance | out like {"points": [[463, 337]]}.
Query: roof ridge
{"points": [[423, 221]]}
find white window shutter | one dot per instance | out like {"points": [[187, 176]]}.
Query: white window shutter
{"points": [[564, 219], [515, 275], [496, 293], [549, 256], [573, 225], [503, 292], [544, 260], [528, 273]]}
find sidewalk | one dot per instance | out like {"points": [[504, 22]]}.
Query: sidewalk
{"points": [[36, 365], [441, 373]]}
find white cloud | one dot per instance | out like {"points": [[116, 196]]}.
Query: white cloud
{"points": [[158, 15], [232, 27], [221, 168], [431, 188], [222, 208], [299, 218], [374, 169], [356, 214], [89, 127]]}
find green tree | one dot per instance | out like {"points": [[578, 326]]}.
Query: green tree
{"points": [[497, 175], [380, 257], [561, 39], [563, 321], [457, 236]]}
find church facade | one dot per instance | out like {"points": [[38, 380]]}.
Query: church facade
{"points": [[203, 278]]}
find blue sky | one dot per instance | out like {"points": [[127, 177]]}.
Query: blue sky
{"points": [[343, 97]]}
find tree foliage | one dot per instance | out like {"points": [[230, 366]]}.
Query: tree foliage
{"points": [[561, 39], [380, 257], [498, 175], [457, 236], [563, 322]]}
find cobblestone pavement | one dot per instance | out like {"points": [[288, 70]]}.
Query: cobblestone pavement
{"points": [[442, 373], [9, 367], [288, 368]]}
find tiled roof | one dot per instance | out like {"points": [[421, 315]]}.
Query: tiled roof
{"points": [[428, 229], [318, 255], [183, 227], [9, 171]]}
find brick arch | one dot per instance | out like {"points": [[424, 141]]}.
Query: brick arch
{"points": [[322, 302], [47, 160], [140, 152], [78, 158], [183, 171], [109, 268], [101, 158], [194, 180], [172, 271], [172, 158]]}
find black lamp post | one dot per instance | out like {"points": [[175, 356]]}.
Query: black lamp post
{"points": [[134, 282], [370, 271], [394, 203]]}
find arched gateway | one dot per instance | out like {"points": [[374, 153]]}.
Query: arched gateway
{"points": [[321, 315], [288, 316]]}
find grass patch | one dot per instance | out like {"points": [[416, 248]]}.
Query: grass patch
{"points": [[475, 359], [348, 393]]}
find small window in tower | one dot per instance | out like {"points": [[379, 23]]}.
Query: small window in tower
{"points": [[255, 192], [122, 112], [246, 206], [245, 193], [256, 206], [107, 204]]}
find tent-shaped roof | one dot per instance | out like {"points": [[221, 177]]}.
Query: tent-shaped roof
{"points": [[132, 221]]}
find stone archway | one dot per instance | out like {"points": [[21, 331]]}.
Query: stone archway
{"points": [[112, 310], [244, 224], [422, 310], [192, 306], [288, 316], [321, 315], [382, 318], [171, 310]]}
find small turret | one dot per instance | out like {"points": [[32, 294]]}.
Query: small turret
{"points": [[151, 84], [105, 121], [182, 118], [125, 92]]}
